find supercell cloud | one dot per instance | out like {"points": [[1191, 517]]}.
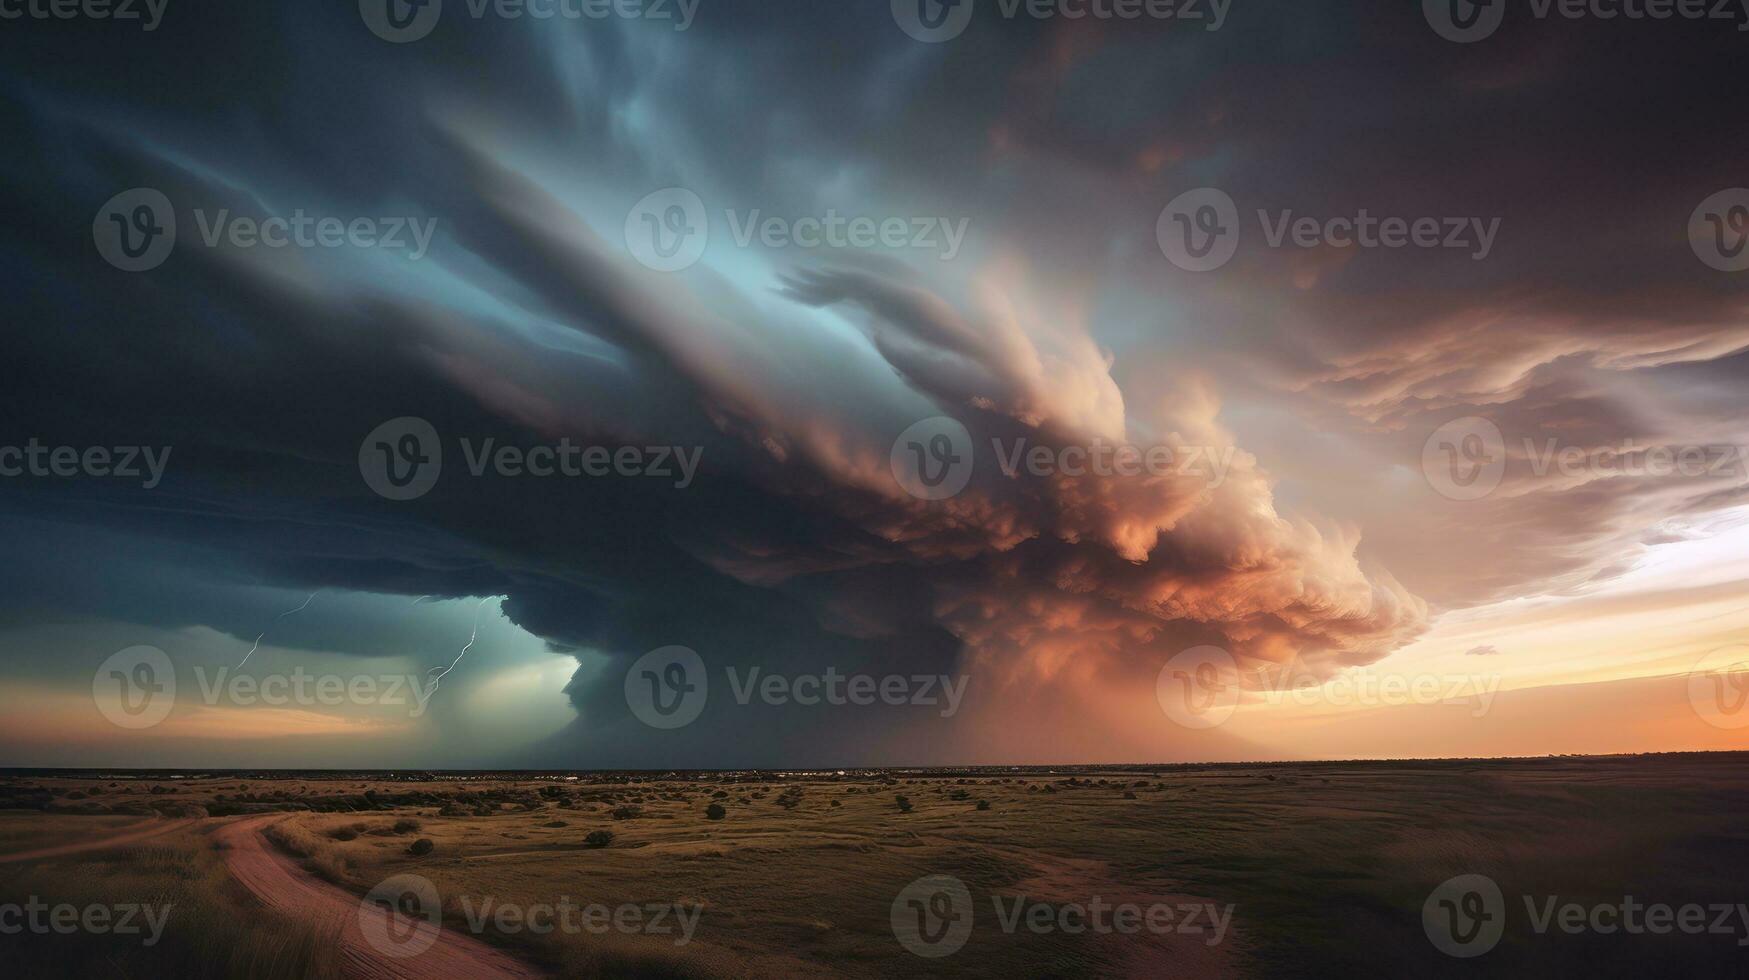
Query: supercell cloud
{"points": [[1294, 388]]}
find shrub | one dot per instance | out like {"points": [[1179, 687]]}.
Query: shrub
{"points": [[904, 803], [407, 826], [715, 812], [421, 847], [1128, 795], [598, 838], [628, 812], [983, 804]]}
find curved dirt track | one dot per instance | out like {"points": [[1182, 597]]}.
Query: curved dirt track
{"points": [[131, 834], [280, 884]]}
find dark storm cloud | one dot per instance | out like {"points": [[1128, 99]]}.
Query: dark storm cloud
{"points": [[794, 549]]}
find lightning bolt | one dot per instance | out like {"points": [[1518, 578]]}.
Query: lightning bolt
{"points": [[442, 672], [276, 619]]}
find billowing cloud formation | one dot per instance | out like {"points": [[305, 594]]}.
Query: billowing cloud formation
{"points": [[1304, 382]]}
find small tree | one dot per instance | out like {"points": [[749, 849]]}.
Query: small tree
{"points": [[715, 812], [904, 803]]}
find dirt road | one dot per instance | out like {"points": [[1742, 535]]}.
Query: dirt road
{"points": [[374, 943]]}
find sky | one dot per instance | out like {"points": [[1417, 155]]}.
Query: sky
{"points": [[794, 384]]}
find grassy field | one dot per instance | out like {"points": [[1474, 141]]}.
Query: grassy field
{"points": [[1325, 867]]}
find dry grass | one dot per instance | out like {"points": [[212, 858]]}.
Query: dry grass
{"points": [[204, 936], [1327, 864]]}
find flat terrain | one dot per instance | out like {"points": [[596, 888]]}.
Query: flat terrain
{"points": [[1300, 869]]}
